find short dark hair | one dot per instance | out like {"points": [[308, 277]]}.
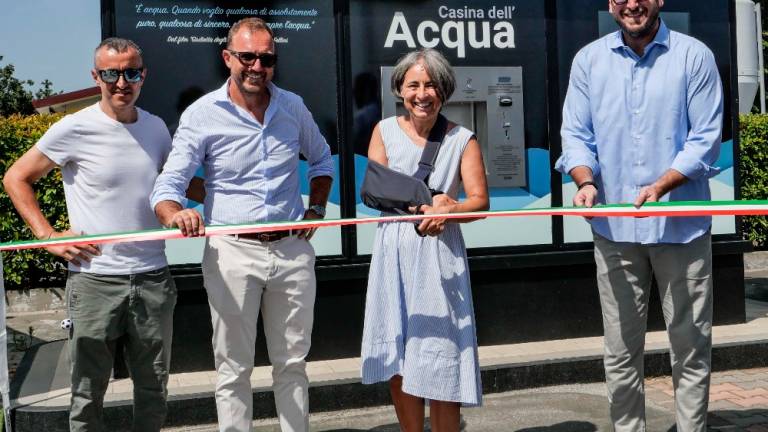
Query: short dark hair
{"points": [[117, 44], [253, 24], [437, 67]]}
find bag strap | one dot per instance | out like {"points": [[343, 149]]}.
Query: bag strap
{"points": [[429, 155]]}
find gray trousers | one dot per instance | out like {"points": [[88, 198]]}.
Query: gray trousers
{"points": [[104, 308], [683, 273]]}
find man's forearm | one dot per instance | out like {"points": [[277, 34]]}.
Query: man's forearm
{"points": [[581, 174], [164, 210], [671, 179], [319, 189]]}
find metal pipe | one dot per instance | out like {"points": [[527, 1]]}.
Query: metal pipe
{"points": [[761, 73]]}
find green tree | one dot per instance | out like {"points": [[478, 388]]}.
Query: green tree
{"points": [[14, 98], [45, 90]]}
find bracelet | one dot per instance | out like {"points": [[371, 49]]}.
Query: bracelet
{"points": [[587, 183]]}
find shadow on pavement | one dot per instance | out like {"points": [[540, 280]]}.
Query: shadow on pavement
{"points": [[568, 426], [756, 288], [743, 418]]}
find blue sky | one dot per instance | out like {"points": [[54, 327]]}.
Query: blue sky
{"points": [[51, 39]]}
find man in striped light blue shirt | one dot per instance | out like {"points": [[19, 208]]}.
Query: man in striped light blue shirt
{"points": [[248, 136], [642, 122]]}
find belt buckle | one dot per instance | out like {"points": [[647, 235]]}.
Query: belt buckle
{"points": [[273, 235], [266, 236]]}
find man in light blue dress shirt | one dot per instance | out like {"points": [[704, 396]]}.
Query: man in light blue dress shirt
{"points": [[248, 135], [641, 123]]}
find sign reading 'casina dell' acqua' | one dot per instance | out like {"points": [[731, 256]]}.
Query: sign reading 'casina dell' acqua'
{"points": [[480, 28]]}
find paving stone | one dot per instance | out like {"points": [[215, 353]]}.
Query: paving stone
{"points": [[739, 376], [717, 388], [719, 379], [714, 397], [749, 385], [656, 395], [751, 393], [722, 405], [756, 401]]}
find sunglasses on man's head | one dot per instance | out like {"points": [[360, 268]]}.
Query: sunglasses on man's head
{"points": [[248, 58], [111, 76], [622, 2]]}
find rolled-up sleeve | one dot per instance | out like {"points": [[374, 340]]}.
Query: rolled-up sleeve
{"points": [[577, 132], [705, 114], [314, 147], [186, 155]]}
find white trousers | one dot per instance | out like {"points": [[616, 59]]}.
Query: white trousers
{"points": [[244, 276], [683, 274]]}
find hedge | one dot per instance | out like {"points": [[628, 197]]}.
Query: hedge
{"points": [[33, 267], [753, 170]]}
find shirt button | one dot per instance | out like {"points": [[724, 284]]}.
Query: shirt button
{"points": [[637, 111]]}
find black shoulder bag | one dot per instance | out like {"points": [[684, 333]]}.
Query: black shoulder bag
{"points": [[390, 191]]}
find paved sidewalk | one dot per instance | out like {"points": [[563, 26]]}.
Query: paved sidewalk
{"points": [[191, 384], [738, 404], [738, 398]]}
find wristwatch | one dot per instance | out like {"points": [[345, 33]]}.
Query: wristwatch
{"points": [[318, 209]]}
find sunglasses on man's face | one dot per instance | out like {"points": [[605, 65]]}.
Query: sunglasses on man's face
{"points": [[111, 76], [248, 58]]}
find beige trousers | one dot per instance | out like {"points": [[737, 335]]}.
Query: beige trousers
{"points": [[242, 277], [683, 273]]}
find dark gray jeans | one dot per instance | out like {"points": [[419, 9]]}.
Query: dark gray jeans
{"points": [[103, 308]]}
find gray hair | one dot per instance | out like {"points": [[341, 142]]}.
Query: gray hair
{"points": [[253, 24], [120, 45], [437, 67]]}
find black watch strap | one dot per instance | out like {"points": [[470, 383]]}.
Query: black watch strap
{"points": [[587, 183]]}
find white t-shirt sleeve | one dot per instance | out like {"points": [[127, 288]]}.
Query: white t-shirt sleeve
{"points": [[58, 143]]}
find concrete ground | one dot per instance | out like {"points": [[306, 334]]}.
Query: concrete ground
{"points": [[573, 408], [739, 403]]}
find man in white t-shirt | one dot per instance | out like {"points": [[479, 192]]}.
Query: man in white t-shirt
{"points": [[110, 154]]}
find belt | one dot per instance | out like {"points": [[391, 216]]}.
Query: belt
{"points": [[266, 236]]}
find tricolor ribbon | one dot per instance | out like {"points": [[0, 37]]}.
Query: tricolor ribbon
{"points": [[677, 208]]}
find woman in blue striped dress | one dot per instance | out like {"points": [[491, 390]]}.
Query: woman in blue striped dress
{"points": [[419, 323]]}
